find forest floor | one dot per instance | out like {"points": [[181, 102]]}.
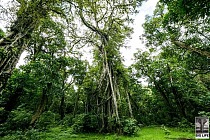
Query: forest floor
{"points": [[145, 133]]}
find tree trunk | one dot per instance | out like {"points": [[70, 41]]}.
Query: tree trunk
{"points": [[15, 43], [40, 108], [177, 96], [112, 87], [62, 110], [42, 104], [172, 112], [129, 105], [179, 103], [9, 60], [76, 104]]}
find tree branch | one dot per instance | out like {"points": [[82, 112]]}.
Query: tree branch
{"points": [[93, 28], [183, 45]]}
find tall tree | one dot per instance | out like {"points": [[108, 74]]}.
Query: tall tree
{"points": [[173, 83], [28, 18], [107, 28], [178, 27]]}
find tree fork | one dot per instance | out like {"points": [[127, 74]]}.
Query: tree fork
{"points": [[104, 40]]}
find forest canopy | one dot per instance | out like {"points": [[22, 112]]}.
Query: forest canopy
{"points": [[56, 87]]}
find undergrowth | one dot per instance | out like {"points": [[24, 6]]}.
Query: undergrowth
{"points": [[66, 133]]}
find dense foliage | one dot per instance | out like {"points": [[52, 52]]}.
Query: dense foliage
{"points": [[57, 87]]}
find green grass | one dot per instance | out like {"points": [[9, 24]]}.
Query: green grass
{"points": [[145, 133], [158, 133]]}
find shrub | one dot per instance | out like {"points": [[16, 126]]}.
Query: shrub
{"points": [[130, 126], [85, 123], [19, 119], [91, 123], [112, 123], [47, 119], [78, 123], [32, 134], [184, 123], [67, 120]]}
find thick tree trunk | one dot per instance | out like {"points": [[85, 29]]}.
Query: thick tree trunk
{"points": [[15, 43], [9, 59], [40, 108], [42, 104]]}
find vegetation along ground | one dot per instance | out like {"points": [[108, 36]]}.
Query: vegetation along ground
{"points": [[144, 133]]}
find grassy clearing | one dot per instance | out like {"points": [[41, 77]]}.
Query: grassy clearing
{"points": [[159, 133], [146, 133]]}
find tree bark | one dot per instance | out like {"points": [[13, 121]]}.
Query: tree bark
{"points": [[112, 89], [129, 104], [40, 108], [15, 43], [42, 104]]}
